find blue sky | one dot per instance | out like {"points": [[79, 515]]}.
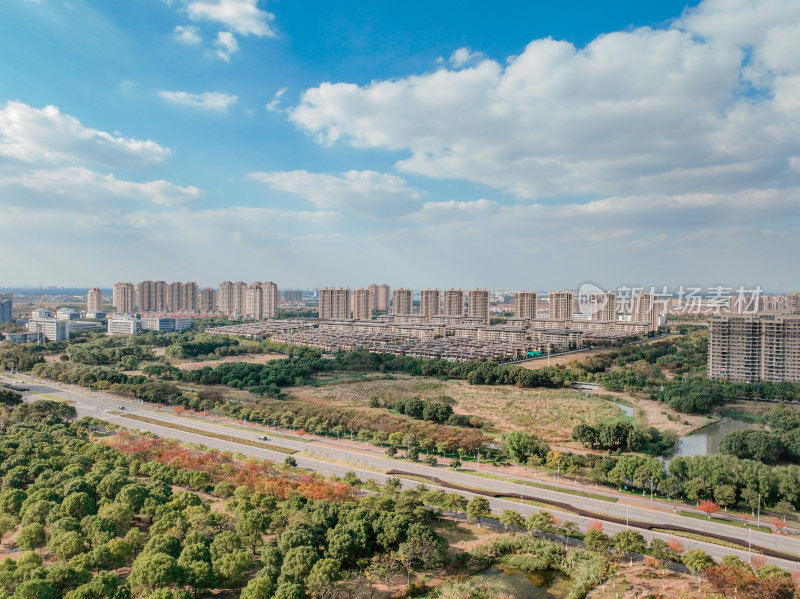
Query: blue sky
{"points": [[517, 144]]}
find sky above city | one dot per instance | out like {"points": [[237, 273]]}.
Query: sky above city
{"points": [[505, 145]]}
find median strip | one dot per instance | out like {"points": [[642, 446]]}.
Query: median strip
{"points": [[197, 431]]}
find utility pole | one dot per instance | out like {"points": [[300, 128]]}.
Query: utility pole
{"points": [[558, 473], [758, 521], [627, 516], [651, 491]]}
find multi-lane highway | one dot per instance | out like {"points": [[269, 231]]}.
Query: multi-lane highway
{"points": [[332, 458]]}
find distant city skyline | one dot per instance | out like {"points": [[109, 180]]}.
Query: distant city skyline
{"points": [[515, 145]]}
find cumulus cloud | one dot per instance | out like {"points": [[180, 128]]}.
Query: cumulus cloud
{"points": [[45, 136], [226, 45], [242, 16], [707, 104], [186, 34], [463, 56], [362, 193], [206, 100], [85, 186]]}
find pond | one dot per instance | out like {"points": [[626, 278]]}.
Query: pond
{"points": [[705, 441], [542, 584]]}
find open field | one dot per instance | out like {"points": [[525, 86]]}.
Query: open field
{"points": [[551, 413], [563, 360], [248, 358]]}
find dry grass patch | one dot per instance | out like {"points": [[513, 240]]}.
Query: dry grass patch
{"points": [[248, 358], [551, 413]]}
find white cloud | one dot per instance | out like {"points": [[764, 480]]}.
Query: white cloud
{"points": [[645, 111], [85, 186], [187, 34], [226, 45], [464, 56], [362, 193], [242, 16], [207, 100], [47, 137], [272, 105]]}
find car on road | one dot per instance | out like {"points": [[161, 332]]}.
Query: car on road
{"points": [[122, 407], [263, 438]]}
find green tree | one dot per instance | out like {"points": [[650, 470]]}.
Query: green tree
{"points": [[232, 567], [321, 578], [521, 445], [455, 503], [251, 527], [541, 521], [151, 571], [31, 537], [630, 541], [297, 564], [8, 524], [510, 518], [67, 545], [477, 508], [596, 541], [697, 560]]}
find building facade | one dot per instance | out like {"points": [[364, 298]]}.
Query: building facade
{"points": [[430, 302], [52, 329], [362, 304], [561, 305], [124, 326], [647, 307], [124, 297], [334, 302], [402, 301], [6, 307], [478, 304], [525, 304], [750, 348], [380, 296], [207, 301], [94, 300], [453, 302], [603, 306]]}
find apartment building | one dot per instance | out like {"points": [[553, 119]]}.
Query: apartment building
{"points": [[430, 302], [402, 301], [207, 301], [362, 304], [602, 306], [94, 300], [478, 304], [6, 307], [254, 301], [793, 302], [166, 325], [647, 307], [561, 305], [124, 298], [232, 297], [380, 296], [334, 302], [525, 304], [453, 302], [751, 348]]}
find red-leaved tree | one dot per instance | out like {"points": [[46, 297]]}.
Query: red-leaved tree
{"points": [[709, 507]]}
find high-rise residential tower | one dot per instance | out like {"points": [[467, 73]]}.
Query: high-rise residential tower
{"points": [[271, 299], [402, 301], [124, 297], [254, 301], [453, 302], [561, 305], [750, 348], [430, 302], [478, 304], [94, 300], [362, 304], [207, 301], [647, 307], [334, 302], [6, 306], [603, 306], [525, 304], [380, 296]]}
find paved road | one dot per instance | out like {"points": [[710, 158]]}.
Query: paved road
{"points": [[331, 458]]}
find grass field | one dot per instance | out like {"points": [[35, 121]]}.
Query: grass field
{"points": [[551, 413]]}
